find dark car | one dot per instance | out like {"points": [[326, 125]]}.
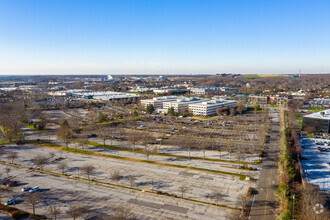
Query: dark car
{"points": [[5, 182], [12, 183], [10, 202]]}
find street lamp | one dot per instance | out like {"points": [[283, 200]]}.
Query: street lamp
{"points": [[293, 197]]}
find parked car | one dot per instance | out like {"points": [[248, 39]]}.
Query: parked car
{"points": [[10, 202], [27, 188], [12, 183], [5, 182], [34, 189]]}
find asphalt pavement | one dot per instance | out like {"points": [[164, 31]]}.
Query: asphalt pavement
{"points": [[264, 202]]}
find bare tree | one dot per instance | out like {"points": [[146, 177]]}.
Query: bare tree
{"points": [[51, 155], [234, 215], [102, 132], [2, 151], [54, 210], [240, 107], [33, 200], [183, 188], [62, 166], [83, 143], [76, 211], [123, 213], [204, 145], [65, 133], [40, 160], [217, 196], [7, 169], [133, 137], [131, 179], [12, 156], [115, 176], [146, 141], [189, 142], [4, 190], [88, 170]]}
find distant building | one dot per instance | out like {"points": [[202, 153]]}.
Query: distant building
{"points": [[318, 121], [207, 90], [157, 102], [181, 105], [319, 103], [105, 96], [167, 91], [209, 108]]}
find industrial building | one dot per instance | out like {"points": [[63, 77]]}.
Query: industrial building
{"points": [[208, 108], [207, 90], [319, 121], [181, 105], [105, 96], [169, 91], [157, 102]]}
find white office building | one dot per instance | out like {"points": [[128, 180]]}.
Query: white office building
{"points": [[181, 105], [208, 108], [157, 102]]}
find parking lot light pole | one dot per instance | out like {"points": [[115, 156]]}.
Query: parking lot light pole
{"points": [[293, 197]]}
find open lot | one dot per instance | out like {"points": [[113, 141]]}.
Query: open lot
{"points": [[99, 199], [200, 185]]}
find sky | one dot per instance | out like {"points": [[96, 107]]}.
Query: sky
{"points": [[164, 36]]}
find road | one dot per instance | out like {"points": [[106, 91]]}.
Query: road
{"points": [[265, 205]]}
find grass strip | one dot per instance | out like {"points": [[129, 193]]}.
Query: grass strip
{"points": [[111, 122], [112, 147], [73, 150], [35, 129]]}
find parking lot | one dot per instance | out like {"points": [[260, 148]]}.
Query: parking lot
{"points": [[98, 199], [200, 185], [315, 161]]}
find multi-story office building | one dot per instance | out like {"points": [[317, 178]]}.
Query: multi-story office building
{"points": [[208, 108], [181, 105], [157, 102]]}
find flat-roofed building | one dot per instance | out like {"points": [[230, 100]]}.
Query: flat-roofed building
{"points": [[181, 105], [317, 121], [208, 108], [157, 102]]}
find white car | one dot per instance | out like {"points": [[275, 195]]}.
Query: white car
{"points": [[34, 189], [27, 188]]}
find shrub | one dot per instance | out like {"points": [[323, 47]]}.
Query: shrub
{"points": [[242, 177], [20, 215], [250, 191], [286, 215]]}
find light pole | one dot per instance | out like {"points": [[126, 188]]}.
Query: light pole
{"points": [[293, 197]]}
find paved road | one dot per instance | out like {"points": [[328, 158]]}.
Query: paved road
{"points": [[265, 203]]}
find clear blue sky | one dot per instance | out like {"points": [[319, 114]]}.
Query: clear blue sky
{"points": [[163, 36]]}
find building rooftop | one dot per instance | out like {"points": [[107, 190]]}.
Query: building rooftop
{"points": [[320, 115], [214, 102]]}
